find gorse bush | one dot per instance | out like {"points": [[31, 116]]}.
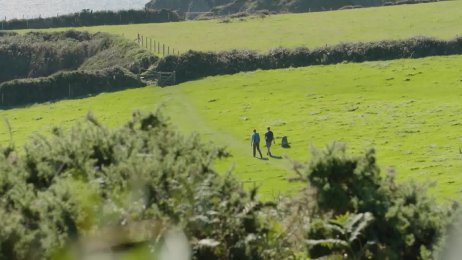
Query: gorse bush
{"points": [[404, 222], [118, 189], [91, 178], [193, 64], [90, 18]]}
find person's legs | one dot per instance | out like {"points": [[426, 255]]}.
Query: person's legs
{"points": [[254, 146], [258, 147], [268, 146]]}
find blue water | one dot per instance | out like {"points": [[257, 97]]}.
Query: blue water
{"points": [[10, 9]]}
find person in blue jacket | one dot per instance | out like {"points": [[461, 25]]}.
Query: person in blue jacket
{"points": [[255, 143]]}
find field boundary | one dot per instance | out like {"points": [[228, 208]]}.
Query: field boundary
{"points": [[196, 64]]}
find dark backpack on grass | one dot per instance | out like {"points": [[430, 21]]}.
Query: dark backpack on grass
{"points": [[285, 142]]}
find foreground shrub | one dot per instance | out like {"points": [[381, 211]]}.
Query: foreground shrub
{"points": [[76, 183], [115, 190], [367, 215]]}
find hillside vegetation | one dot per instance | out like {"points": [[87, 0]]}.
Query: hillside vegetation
{"points": [[440, 20], [40, 67], [224, 7], [38, 54]]}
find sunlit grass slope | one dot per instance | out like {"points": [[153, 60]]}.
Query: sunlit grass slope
{"points": [[440, 19], [408, 110], [111, 109]]}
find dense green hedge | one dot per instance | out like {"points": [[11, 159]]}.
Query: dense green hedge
{"points": [[66, 85], [4, 33], [38, 54], [367, 215], [194, 65], [84, 62], [90, 18]]}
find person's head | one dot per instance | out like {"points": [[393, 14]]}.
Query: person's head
{"points": [[255, 130], [268, 128]]}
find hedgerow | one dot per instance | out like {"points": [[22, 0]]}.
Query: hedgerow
{"points": [[90, 18], [37, 54], [41, 67], [69, 84], [194, 64]]}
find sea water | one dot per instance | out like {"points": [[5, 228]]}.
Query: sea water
{"points": [[10, 9]]}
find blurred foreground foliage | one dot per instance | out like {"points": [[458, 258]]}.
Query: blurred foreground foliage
{"points": [[92, 190]]}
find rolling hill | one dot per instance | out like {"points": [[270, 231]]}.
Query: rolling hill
{"points": [[406, 109], [440, 19]]}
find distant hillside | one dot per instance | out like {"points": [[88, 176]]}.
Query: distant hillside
{"points": [[223, 7]]}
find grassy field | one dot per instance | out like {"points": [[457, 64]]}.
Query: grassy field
{"points": [[408, 110], [112, 109], [440, 19]]}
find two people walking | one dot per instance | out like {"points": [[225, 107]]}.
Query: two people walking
{"points": [[255, 142]]}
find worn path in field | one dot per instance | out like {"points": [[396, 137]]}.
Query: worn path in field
{"points": [[184, 115]]}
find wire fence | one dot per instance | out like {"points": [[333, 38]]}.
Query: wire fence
{"points": [[156, 47]]}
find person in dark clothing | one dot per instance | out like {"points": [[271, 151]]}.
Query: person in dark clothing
{"points": [[255, 143], [269, 138]]}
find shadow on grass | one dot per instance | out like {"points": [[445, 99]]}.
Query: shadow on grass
{"points": [[276, 157]]}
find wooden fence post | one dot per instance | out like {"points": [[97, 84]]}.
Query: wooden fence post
{"points": [[163, 49]]}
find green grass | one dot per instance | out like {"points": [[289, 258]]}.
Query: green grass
{"points": [[112, 109], [408, 110], [440, 19]]}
